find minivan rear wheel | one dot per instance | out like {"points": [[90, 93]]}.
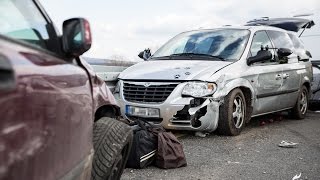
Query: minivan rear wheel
{"points": [[232, 114], [112, 142], [299, 111]]}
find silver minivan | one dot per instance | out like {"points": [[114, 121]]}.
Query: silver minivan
{"points": [[217, 79]]}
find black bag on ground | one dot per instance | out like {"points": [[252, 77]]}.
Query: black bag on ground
{"points": [[144, 146], [170, 152]]}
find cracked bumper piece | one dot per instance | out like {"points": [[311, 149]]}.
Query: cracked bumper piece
{"points": [[180, 113]]}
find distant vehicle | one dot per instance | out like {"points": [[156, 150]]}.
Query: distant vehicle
{"points": [[315, 88], [55, 112], [108, 70], [217, 79]]}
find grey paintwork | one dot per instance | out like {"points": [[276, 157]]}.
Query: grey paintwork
{"points": [[260, 80]]}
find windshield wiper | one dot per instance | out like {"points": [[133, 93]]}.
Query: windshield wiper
{"points": [[161, 57], [198, 55]]}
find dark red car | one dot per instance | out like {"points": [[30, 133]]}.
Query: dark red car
{"points": [[54, 112]]}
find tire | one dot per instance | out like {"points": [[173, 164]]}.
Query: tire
{"points": [[112, 142], [232, 114], [300, 109]]}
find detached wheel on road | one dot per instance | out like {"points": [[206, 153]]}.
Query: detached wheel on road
{"points": [[299, 111], [232, 114], [112, 142]]}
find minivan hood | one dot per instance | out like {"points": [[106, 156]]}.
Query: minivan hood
{"points": [[172, 70]]}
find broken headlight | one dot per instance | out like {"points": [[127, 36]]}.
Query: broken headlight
{"points": [[199, 89]]}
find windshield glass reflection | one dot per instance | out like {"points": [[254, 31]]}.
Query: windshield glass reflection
{"points": [[227, 44]]}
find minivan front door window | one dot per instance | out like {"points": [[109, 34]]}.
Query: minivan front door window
{"points": [[260, 42]]}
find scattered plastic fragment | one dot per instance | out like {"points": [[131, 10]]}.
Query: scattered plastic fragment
{"points": [[296, 177], [230, 162], [286, 144], [200, 134]]}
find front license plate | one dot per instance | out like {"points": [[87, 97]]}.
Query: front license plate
{"points": [[142, 112]]}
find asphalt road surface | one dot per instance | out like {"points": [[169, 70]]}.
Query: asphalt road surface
{"points": [[254, 154]]}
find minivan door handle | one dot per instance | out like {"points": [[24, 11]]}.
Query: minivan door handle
{"points": [[278, 76], [7, 79], [285, 76]]}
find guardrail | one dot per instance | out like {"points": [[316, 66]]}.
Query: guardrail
{"points": [[109, 70]]}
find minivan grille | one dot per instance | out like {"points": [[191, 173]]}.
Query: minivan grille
{"points": [[151, 94]]}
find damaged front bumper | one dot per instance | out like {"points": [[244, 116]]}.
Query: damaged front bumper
{"points": [[177, 112]]}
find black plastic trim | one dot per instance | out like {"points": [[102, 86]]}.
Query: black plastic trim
{"points": [[276, 93]]}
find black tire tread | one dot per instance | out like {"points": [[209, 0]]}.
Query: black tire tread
{"points": [[295, 112], [224, 124], [109, 138]]}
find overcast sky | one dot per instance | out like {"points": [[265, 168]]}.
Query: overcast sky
{"points": [[126, 27]]}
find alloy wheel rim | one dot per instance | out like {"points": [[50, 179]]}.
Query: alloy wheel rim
{"points": [[238, 112], [303, 102]]}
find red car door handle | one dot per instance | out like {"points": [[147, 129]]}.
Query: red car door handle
{"points": [[7, 79]]}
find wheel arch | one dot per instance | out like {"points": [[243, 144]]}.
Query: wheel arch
{"points": [[243, 84], [248, 91], [109, 110], [306, 82], [308, 85]]}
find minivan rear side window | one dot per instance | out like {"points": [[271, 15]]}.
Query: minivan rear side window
{"points": [[296, 41], [22, 20]]}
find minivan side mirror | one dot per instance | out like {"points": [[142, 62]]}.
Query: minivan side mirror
{"points": [[76, 38], [262, 55], [308, 54], [145, 54], [284, 52]]}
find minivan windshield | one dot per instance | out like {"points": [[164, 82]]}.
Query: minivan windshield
{"points": [[216, 44]]}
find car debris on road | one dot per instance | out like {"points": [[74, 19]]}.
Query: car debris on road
{"points": [[296, 177], [287, 144], [200, 134]]}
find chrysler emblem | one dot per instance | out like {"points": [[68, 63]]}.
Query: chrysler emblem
{"points": [[177, 76], [146, 84]]}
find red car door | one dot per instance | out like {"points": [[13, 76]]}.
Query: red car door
{"points": [[45, 102]]}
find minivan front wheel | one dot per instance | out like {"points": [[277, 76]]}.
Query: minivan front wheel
{"points": [[232, 114], [299, 111]]}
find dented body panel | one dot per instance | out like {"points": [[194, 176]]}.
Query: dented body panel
{"points": [[102, 96], [169, 109], [268, 87]]}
